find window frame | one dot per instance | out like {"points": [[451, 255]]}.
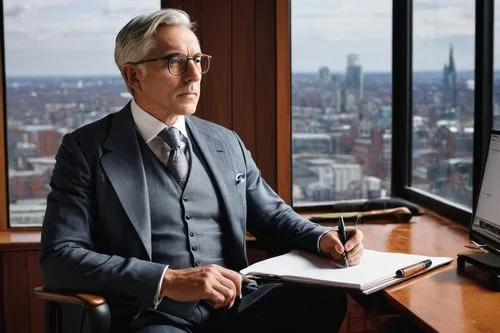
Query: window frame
{"points": [[4, 173], [284, 100], [402, 99], [402, 85]]}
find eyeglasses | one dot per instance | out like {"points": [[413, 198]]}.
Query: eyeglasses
{"points": [[177, 62]]}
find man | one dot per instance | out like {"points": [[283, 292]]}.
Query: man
{"points": [[150, 207]]}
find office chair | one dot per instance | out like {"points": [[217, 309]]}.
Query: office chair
{"points": [[94, 306]]}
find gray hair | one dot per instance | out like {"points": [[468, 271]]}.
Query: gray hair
{"points": [[135, 39]]}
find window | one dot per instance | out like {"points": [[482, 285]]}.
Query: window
{"points": [[443, 99], [341, 100], [59, 75]]}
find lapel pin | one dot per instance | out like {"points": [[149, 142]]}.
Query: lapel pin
{"points": [[239, 178]]}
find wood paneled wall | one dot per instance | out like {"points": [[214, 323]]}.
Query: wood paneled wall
{"points": [[240, 90], [20, 310]]}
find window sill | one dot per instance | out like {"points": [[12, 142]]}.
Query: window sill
{"points": [[19, 240]]}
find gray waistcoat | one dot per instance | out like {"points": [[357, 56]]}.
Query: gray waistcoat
{"points": [[186, 228]]}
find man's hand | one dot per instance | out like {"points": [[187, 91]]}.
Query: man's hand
{"points": [[217, 285], [331, 246]]}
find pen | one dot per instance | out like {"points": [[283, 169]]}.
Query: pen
{"points": [[343, 239], [413, 269]]}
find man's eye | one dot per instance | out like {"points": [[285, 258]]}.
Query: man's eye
{"points": [[197, 59], [176, 61]]}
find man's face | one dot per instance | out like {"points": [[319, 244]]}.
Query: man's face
{"points": [[158, 91]]}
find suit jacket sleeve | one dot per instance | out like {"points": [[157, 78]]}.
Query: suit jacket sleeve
{"points": [[270, 218], [67, 258]]}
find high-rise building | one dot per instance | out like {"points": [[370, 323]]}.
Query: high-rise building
{"points": [[450, 82], [353, 85], [324, 75]]}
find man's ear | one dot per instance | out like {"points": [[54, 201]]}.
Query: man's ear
{"points": [[132, 76]]}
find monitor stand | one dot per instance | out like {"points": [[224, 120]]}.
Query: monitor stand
{"points": [[488, 262]]}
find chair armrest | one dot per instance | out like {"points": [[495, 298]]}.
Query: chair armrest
{"points": [[84, 299], [96, 308]]}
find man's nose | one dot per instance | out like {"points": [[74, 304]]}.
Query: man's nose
{"points": [[192, 73]]}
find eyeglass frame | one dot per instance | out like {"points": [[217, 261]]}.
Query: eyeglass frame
{"points": [[169, 57]]}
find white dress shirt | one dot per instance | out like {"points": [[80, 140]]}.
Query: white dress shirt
{"points": [[149, 127]]}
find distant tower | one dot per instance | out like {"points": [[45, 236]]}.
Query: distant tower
{"points": [[450, 82], [324, 75], [353, 82]]}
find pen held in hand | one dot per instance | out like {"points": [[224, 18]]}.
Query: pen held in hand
{"points": [[413, 269], [343, 239]]}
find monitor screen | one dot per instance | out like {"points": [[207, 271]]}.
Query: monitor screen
{"points": [[485, 225]]}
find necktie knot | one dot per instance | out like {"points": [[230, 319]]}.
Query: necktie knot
{"points": [[172, 136]]}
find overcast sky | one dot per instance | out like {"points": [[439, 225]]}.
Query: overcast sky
{"points": [[75, 37]]}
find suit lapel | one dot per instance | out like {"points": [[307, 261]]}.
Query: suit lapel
{"points": [[220, 165], [123, 165]]}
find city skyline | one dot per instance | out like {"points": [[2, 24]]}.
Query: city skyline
{"points": [[341, 133], [67, 37], [339, 72]]}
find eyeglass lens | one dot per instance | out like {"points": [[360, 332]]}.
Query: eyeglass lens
{"points": [[177, 65]]}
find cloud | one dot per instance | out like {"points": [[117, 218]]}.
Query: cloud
{"points": [[444, 22], [334, 28], [370, 19], [16, 10], [15, 7], [435, 5], [66, 28], [66, 37], [323, 32], [128, 6], [339, 8], [110, 9], [333, 20]]}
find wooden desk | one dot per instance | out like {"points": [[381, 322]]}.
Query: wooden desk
{"points": [[439, 300]]}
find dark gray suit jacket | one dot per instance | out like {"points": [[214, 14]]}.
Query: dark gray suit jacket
{"points": [[96, 233]]}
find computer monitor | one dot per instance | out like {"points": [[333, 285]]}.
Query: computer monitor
{"points": [[485, 224]]}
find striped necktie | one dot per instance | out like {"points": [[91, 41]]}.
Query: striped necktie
{"points": [[177, 162]]}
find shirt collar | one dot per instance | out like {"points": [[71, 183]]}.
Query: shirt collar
{"points": [[149, 127]]}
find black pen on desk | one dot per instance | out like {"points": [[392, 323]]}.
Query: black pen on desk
{"points": [[413, 269], [343, 239]]}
